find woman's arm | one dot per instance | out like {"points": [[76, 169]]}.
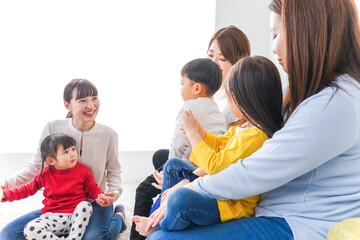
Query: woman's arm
{"points": [[113, 168], [319, 130]]}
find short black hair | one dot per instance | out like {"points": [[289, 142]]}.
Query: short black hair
{"points": [[205, 71]]}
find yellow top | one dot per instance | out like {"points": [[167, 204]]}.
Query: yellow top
{"points": [[215, 153]]}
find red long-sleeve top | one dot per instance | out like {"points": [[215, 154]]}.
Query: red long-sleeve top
{"points": [[63, 189]]}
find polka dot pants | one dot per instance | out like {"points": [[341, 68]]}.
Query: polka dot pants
{"points": [[59, 225]]}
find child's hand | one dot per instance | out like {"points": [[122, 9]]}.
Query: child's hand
{"points": [[3, 196], [190, 123], [112, 197], [103, 200], [159, 179]]}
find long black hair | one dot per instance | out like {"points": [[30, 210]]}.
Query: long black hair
{"points": [[255, 86], [49, 147]]}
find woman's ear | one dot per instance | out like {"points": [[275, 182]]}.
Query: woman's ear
{"points": [[50, 161], [67, 105]]}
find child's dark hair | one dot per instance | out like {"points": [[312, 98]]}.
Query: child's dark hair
{"points": [[255, 85], [204, 71], [84, 89], [49, 147]]}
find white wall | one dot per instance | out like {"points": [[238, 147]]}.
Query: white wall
{"points": [[253, 18], [131, 50]]}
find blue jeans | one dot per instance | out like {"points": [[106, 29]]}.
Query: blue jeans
{"points": [[185, 207], [170, 170], [255, 228], [103, 225]]}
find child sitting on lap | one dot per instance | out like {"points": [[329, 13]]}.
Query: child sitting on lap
{"points": [[67, 185]]}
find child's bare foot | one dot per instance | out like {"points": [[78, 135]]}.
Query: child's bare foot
{"points": [[141, 223]]}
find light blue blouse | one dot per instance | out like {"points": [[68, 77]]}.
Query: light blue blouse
{"points": [[309, 171]]}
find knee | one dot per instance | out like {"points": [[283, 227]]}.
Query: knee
{"points": [[31, 230], [180, 199], [172, 163], [160, 157], [6, 233], [84, 207], [145, 186]]}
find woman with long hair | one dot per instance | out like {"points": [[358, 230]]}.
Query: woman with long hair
{"points": [[308, 173]]}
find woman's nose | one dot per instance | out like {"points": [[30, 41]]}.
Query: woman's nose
{"points": [[274, 49], [90, 104]]}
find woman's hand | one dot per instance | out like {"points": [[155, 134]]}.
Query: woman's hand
{"points": [[106, 199], [103, 200], [159, 179], [189, 186], [112, 197], [156, 216], [165, 195]]}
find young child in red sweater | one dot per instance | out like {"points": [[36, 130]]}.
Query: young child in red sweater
{"points": [[67, 185]]}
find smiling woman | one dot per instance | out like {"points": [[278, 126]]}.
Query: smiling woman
{"points": [[130, 50]]}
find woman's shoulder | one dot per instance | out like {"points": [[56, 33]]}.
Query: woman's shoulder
{"points": [[58, 122], [104, 129]]}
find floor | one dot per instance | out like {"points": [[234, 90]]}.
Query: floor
{"points": [[135, 167]]}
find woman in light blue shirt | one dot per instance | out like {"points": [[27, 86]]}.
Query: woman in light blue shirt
{"points": [[308, 173]]}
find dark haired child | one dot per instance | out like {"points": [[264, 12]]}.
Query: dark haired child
{"points": [[200, 79], [255, 97], [67, 185]]}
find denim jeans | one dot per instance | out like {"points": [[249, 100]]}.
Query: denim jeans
{"points": [[171, 168], [103, 225], [185, 207], [254, 228]]}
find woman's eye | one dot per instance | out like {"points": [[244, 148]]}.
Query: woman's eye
{"points": [[210, 56], [66, 152], [95, 98], [222, 59], [274, 36]]}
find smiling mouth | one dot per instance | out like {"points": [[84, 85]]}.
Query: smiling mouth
{"points": [[90, 113]]}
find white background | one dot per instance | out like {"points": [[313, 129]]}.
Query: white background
{"points": [[132, 51]]}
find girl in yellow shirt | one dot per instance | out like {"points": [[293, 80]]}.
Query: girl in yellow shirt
{"points": [[254, 94]]}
